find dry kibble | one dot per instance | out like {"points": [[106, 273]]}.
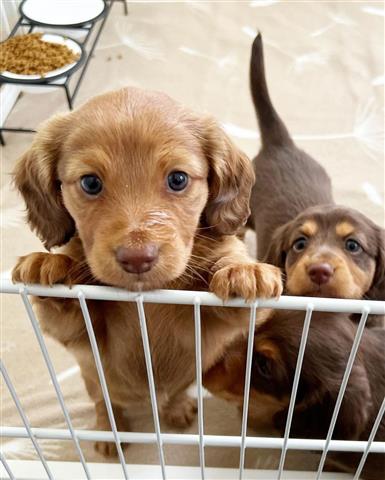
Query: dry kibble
{"points": [[30, 55]]}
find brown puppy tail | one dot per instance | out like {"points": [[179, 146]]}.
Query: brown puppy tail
{"points": [[273, 130]]}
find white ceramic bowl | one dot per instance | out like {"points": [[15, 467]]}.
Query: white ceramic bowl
{"points": [[62, 12]]}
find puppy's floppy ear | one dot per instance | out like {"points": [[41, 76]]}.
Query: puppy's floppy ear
{"points": [[276, 253], [227, 375], [36, 178], [231, 178], [377, 289]]}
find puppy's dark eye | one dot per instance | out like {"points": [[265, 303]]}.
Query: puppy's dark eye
{"points": [[352, 246], [262, 365], [177, 181], [300, 244], [91, 184]]}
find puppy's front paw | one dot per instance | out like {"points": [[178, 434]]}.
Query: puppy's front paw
{"points": [[180, 412], [107, 449], [247, 280], [43, 268]]}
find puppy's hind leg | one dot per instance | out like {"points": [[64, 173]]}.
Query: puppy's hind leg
{"points": [[108, 449]]}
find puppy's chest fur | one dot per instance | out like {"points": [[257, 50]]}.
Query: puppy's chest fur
{"points": [[117, 329], [171, 337]]}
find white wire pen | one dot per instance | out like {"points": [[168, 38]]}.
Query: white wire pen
{"points": [[297, 374], [102, 379], [344, 382], [196, 300], [246, 394], [198, 363], [151, 382], [24, 418], [52, 374]]}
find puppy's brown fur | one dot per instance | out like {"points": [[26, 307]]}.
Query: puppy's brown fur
{"points": [[132, 140], [292, 198], [328, 346], [289, 187]]}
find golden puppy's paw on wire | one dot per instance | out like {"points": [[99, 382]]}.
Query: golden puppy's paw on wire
{"points": [[44, 268], [248, 281]]}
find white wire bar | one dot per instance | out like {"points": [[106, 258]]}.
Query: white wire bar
{"points": [[344, 382], [198, 365], [24, 418], [246, 394], [151, 382], [370, 440], [293, 396], [52, 373], [7, 467], [186, 297], [102, 379], [193, 439]]}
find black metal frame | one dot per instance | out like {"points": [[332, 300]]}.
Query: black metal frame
{"points": [[70, 97]]}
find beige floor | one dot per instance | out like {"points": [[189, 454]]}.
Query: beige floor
{"points": [[325, 63]]}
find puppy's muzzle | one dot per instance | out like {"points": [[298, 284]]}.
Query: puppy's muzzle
{"points": [[137, 260], [320, 273]]}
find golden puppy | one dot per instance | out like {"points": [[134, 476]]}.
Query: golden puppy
{"points": [[144, 194]]}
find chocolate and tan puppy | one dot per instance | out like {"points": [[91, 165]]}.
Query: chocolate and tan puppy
{"points": [[329, 342], [326, 250]]}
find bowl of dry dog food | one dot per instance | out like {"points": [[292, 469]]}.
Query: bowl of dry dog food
{"points": [[39, 58]]}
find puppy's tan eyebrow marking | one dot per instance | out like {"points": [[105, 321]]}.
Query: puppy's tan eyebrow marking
{"points": [[269, 349], [88, 161], [309, 228], [344, 229], [184, 161]]}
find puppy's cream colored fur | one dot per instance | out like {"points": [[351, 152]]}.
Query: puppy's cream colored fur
{"points": [[132, 140]]}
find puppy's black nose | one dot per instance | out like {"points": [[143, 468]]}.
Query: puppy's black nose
{"points": [[137, 260], [320, 273]]}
